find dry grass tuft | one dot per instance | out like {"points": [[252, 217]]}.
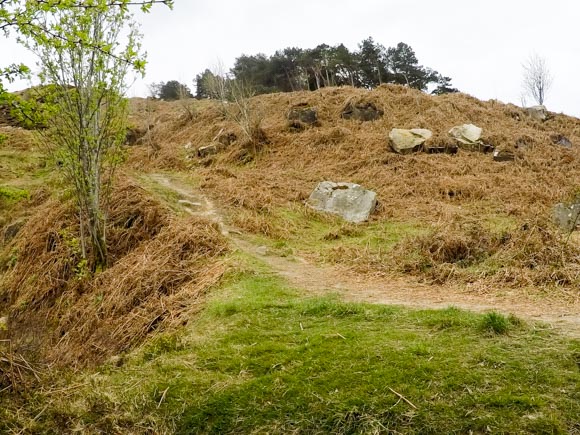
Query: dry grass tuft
{"points": [[161, 269], [157, 286], [18, 138], [531, 255]]}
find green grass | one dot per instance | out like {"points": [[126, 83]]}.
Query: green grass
{"points": [[330, 238], [22, 173], [10, 194], [265, 358]]}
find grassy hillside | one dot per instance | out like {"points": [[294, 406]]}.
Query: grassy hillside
{"points": [[193, 330], [462, 218]]}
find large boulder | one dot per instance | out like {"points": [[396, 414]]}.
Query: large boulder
{"points": [[567, 216], [351, 201], [362, 112], [538, 113], [408, 141]]}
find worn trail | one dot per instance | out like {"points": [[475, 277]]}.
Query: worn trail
{"points": [[317, 279]]}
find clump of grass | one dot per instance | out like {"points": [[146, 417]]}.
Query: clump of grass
{"points": [[495, 323], [332, 308]]}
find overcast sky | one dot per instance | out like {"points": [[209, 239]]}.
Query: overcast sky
{"points": [[481, 45]]}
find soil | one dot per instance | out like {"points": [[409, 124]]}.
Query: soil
{"points": [[321, 279]]}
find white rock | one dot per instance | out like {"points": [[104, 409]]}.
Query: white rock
{"points": [[467, 134], [539, 113]]}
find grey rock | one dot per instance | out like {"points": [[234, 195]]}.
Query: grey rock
{"points": [[567, 216], [503, 156], [362, 112], [12, 230], [408, 141], [538, 113], [304, 114], [561, 140], [209, 150], [351, 201]]}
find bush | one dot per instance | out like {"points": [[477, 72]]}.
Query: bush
{"points": [[170, 91]]}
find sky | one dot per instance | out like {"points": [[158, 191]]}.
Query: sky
{"points": [[481, 45]]}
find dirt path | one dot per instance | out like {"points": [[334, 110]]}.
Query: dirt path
{"points": [[319, 279]]}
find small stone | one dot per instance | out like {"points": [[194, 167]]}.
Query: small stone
{"points": [[208, 150], [503, 156], [3, 323], [303, 114]]}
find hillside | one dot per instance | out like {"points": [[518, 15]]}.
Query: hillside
{"points": [[444, 217], [231, 306]]}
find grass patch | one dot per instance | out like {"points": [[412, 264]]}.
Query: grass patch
{"points": [[498, 324], [325, 236], [264, 358], [11, 195]]}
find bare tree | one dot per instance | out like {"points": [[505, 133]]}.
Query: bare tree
{"points": [[235, 99], [537, 78]]}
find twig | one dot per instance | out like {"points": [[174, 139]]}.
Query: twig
{"points": [[403, 397], [162, 397]]}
